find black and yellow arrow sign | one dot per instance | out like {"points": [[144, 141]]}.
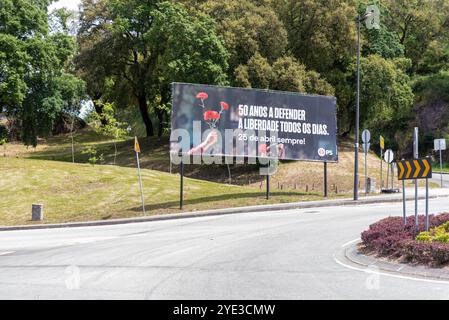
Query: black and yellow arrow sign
{"points": [[415, 169]]}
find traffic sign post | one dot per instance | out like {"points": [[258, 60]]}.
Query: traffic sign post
{"points": [[382, 147], [416, 156], [440, 145], [366, 136], [388, 157], [413, 170], [137, 151]]}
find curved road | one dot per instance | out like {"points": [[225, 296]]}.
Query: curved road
{"points": [[268, 255]]}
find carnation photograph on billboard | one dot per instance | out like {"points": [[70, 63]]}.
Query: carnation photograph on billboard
{"points": [[253, 123]]}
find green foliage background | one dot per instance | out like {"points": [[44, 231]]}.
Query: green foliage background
{"points": [[127, 52]]}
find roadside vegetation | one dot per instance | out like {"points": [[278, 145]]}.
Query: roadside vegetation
{"points": [[390, 238]]}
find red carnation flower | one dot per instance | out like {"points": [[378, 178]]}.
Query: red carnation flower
{"points": [[262, 148], [211, 115], [202, 96], [224, 105]]}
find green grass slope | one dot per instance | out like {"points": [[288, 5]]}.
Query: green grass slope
{"points": [[81, 192]]}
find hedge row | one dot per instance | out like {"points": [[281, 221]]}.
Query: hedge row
{"points": [[389, 237]]}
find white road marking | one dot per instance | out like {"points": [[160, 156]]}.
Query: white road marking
{"points": [[388, 274], [350, 242], [88, 240], [5, 253]]}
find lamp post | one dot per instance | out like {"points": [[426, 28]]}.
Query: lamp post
{"points": [[372, 12]]}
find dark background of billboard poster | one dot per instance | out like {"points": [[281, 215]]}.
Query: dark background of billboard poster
{"points": [[186, 108]]}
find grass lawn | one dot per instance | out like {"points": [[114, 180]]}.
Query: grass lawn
{"points": [[80, 192], [291, 175]]}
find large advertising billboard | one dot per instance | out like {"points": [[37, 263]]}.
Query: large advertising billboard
{"points": [[240, 122]]}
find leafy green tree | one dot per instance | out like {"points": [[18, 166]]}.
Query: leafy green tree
{"points": [[247, 27], [417, 23], [93, 156], [383, 43], [386, 94], [113, 128], [138, 48], [322, 35], [284, 74], [35, 85]]}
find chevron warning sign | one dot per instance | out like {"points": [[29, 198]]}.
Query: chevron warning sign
{"points": [[415, 169]]}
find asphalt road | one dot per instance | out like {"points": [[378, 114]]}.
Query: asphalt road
{"points": [[436, 177], [269, 255]]}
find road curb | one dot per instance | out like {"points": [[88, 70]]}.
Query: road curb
{"points": [[352, 254], [217, 212]]}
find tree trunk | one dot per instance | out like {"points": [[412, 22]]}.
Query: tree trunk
{"points": [[143, 107], [99, 109], [160, 117]]}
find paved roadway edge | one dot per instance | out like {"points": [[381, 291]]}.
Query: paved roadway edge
{"points": [[217, 212]]}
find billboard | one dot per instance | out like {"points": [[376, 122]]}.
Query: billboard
{"points": [[240, 122]]}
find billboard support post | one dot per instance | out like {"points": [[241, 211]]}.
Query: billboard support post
{"points": [[181, 191], [268, 183], [325, 179]]}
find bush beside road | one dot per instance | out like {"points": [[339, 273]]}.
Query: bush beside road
{"points": [[390, 238]]}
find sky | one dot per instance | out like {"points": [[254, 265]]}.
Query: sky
{"points": [[69, 4]]}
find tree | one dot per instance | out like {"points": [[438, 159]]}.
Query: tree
{"points": [[247, 27], [35, 86], [140, 47], [113, 128], [284, 74], [386, 94], [323, 36], [417, 23], [383, 42]]}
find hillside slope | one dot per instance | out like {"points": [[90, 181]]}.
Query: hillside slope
{"points": [[291, 175]]}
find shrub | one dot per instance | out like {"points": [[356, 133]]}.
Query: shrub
{"points": [[434, 253], [436, 234], [390, 237], [424, 236]]}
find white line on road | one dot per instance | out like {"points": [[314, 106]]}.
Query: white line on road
{"points": [[5, 253], [387, 274], [350, 242]]}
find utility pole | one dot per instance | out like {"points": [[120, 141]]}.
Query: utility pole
{"points": [[373, 13]]}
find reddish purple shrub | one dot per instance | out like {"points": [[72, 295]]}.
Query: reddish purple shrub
{"points": [[435, 253], [389, 237]]}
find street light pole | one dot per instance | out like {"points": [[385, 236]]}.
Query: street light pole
{"points": [[373, 12], [357, 117]]}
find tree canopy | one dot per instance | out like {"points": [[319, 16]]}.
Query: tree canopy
{"points": [[35, 83], [127, 53]]}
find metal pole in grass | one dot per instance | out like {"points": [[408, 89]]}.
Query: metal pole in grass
{"points": [[427, 204], [181, 191], [268, 181], [137, 150], [325, 179]]}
